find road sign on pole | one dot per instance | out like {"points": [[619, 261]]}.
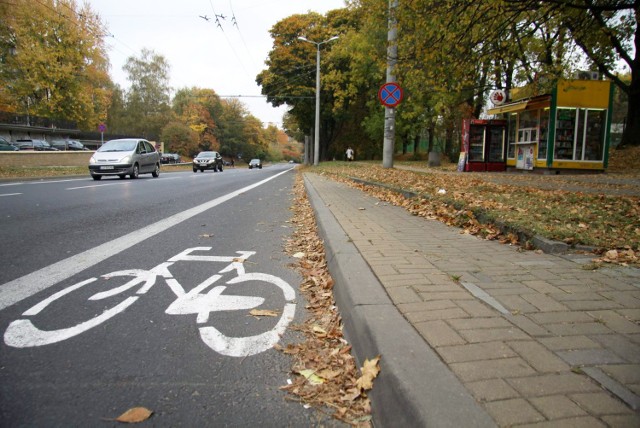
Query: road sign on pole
{"points": [[390, 94]]}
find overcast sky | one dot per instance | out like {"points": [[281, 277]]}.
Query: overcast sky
{"points": [[199, 52]]}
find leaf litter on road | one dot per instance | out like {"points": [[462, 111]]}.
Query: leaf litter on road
{"points": [[326, 373]]}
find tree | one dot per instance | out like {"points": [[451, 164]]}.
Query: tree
{"points": [[147, 100], [180, 138], [607, 32], [291, 74], [53, 61]]}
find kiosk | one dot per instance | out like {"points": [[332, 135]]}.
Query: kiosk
{"points": [[483, 144], [568, 129]]}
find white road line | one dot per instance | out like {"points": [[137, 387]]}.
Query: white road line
{"points": [[14, 291], [10, 194]]}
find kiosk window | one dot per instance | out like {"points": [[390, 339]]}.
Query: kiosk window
{"points": [[565, 133], [580, 134], [594, 135]]}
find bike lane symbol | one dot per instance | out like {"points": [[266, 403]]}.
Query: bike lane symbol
{"points": [[22, 333]]}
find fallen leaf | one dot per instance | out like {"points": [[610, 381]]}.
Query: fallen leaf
{"points": [[207, 235], [311, 376], [263, 313], [135, 415], [369, 370]]}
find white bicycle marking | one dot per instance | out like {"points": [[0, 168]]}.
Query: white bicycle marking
{"points": [[22, 333]]}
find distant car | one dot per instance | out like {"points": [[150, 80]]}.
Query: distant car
{"points": [[255, 163], [31, 144], [127, 156], [68, 145], [6, 146], [207, 160], [170, 158]]}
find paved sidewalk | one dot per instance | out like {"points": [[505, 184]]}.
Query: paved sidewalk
{"points": [[475, 333]]}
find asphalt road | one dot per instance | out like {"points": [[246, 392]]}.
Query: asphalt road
{"points": [[189, 255]]}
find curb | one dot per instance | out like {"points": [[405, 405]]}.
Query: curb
{"points": [[414, 387]]}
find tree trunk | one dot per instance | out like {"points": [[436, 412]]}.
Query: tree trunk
{"points": [[631, 134]]}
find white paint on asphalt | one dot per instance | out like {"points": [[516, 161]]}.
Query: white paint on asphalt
{"points": [[14, 291], [10, 194]]}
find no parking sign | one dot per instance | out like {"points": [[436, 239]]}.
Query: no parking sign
{"points": [[390, 94]]}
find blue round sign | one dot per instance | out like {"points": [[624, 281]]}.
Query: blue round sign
{"points": [[390, 94]]}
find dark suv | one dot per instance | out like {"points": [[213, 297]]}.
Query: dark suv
{"points": [[207, 160]]}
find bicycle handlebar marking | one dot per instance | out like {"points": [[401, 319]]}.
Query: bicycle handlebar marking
{"points": [[22, 333]]}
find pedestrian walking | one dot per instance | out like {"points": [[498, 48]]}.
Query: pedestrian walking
{"points": [[349, 154]]}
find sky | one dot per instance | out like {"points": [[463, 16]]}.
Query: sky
{"points": [[226, 57]]}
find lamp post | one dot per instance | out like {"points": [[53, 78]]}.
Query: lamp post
{"points": [[316, 139]]}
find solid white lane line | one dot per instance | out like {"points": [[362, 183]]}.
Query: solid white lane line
{"points": [[10, 194], [20, 288]]}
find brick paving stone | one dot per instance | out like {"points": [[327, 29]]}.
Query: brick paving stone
{"points": [[476, 322], [492, 369], [435, 314], [491, 390], [615, 321], [630, 314], [438, 288], [452, 295], [583, 328], [570, 342], [621, 345], [589, 357], [600, 403], [542, 287], [381, 270], [544, 274], [528, 326], [561, 317], [426, 306], [544, 303], [552, 384], [493, 335], [577, 422], [475, 352], [592, 305], [623, 421], [557, 406], [476, 309], [584, 295], [626, 299], [514, 411], [539, 357], [519, 290], [517, 304], [403, 295], [624, 373], [438, 333]]}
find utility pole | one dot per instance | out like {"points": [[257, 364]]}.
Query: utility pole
{"points": [[388, 145], [316, 139]]}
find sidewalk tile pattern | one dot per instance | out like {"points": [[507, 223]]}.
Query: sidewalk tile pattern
{"points": [[528, 364]]}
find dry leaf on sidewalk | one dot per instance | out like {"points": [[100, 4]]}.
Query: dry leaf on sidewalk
{"points": [[370, 370], [135, 415]]}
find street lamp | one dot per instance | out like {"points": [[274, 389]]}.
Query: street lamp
{"points": [[316, 139]]}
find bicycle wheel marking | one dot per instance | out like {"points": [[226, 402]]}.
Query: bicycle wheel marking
{"points": [[22, 333]]}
